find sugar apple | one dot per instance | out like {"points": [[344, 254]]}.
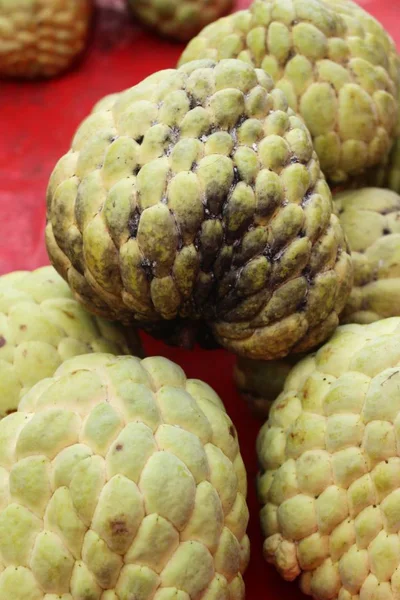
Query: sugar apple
{"points": [[121, 479], [179, 19], [330, 478], [196, 197], [336, 64], [40, 326], [41, 38]]}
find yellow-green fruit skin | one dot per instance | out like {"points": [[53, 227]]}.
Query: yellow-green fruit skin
{"points": [[179, 19], [121, 479], [336, 64], [370, 218], [41, 38], [330, 468], [197, 196], [41, 325]]}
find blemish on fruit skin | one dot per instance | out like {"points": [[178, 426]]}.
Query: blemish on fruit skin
{"points": [[118, 527], [119, 447], [3, 341], [23, 327]]}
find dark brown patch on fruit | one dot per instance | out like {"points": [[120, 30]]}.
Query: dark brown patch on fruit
{"points": [[119, 447], [22, 327], [3, 341], [119, 527]]}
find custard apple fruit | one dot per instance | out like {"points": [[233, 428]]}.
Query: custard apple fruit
{"points": [[196, 197], [179, 19], [41, 325], [336, 64], [330, 468], [41, 38], [121, 479]]}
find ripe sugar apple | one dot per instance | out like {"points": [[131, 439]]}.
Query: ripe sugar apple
{"points": [[330, 479], [121, 479], [336, 64], [196, 196], [370, 218], [41, 325], [179, 19], [41, 38]]}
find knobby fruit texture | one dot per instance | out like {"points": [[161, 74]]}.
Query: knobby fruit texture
{"points": [[196, 195], [121, 479], [330, 478], [41, 325], [179, 19], [41, 38], [336, 64]]}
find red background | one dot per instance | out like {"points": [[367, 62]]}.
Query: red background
{"points": [[38, 120]]}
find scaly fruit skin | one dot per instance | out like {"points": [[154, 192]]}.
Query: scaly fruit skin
{"points": [[197, 196], [121, 479], [179, 19], [41, 38], [336, 64], [370, 218], [41, 325], [330, 479]]}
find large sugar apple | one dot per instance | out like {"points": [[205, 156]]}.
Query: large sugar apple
{"points": [[336, 64], [370, 218], [121, 479], [196, 196], [330, 478], [41, 38], [179, 19], [41, 325]]}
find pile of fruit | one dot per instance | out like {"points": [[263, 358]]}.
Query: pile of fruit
{"points": [[247, 199]]}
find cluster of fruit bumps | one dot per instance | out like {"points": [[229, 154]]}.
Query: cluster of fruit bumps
{"points": [[197, 206]]}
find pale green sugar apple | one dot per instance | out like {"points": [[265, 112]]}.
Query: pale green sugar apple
{"points": [[370, 218], [330, 468], [179, 19], [41, 325], [336, 64], [121, 480], [196, 198], [41, 38]]}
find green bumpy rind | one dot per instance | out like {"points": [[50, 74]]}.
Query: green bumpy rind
{"points": [[370, 218], [330, 468], [41, 325], [197, 196], [179, 19], [121, 479], [336, 64], [42, 38]]}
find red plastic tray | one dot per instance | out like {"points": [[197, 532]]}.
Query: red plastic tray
{"points": [[38, 121]]}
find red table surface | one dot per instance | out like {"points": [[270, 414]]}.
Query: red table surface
{"points": [[38, 121]]}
